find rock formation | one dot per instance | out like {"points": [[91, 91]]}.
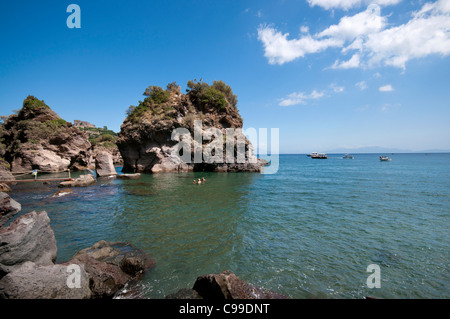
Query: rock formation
{"points": [[37, 138], [27, 270], [5, 168], [226, 285], [34, 281], [81, 181], [27, 238], [208, 137], [8, 208], [110, 265], [104, 165]]}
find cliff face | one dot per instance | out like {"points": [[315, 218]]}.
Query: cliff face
{"points": [[170, 131], [37, 138]]}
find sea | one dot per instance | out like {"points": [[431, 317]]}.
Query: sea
{"points": [[318, 228]]}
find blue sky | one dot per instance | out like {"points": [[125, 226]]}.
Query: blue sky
{"points": [[330, 74]]}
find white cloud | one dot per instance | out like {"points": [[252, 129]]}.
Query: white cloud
{"points": [[362, 85], [350, 28], [337, 89], [354, 62], [348, 4], [428, 32], [330, 4], [372, 40], [304, 29], [386, 88], [279, 49], [300, 98]]}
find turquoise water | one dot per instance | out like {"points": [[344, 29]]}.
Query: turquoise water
{"points": [[309, 231]]}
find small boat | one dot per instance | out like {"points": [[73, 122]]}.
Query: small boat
{"points": [[348, 156], [385, 159], [312, 154], [319, 156]]}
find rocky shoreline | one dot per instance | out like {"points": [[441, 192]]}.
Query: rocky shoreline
{"points": [[37, 139], [28, 270]]}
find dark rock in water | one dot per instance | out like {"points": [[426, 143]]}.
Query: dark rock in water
{"points": [[110, 265], [129, 176], [33, 281], [226, 285], [184, 293], [81, 181], [28, 238], [63, 192], [104, 165], [8, 208]]}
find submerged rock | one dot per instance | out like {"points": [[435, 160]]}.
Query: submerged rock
{"points": [[81, 181], [62, 192], [28, 238], [8, 208], [129, 176]]}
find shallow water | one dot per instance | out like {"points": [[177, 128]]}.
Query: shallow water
{"points": [[309, 231]]}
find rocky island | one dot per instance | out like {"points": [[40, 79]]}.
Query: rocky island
{"points": [[148, 140], [37, 138]]}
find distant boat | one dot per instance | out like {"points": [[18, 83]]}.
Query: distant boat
{"points": [[348, 156], [385, 159], [312, 154], [319, 156]]}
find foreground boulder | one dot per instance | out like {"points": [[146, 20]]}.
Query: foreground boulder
{"points": [[206, 119], [81, 181], [28, 238], [33, 281], [104, 165], [8, 208], [110, 265], [225, 285]]}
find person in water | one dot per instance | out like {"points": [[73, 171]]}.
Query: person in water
{"points": [[203, 179], [199, 181], [194, 182]]}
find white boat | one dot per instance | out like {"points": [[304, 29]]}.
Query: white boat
{"points": [[348, 156], [319, 156], [385, 159], [312, 154]]}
